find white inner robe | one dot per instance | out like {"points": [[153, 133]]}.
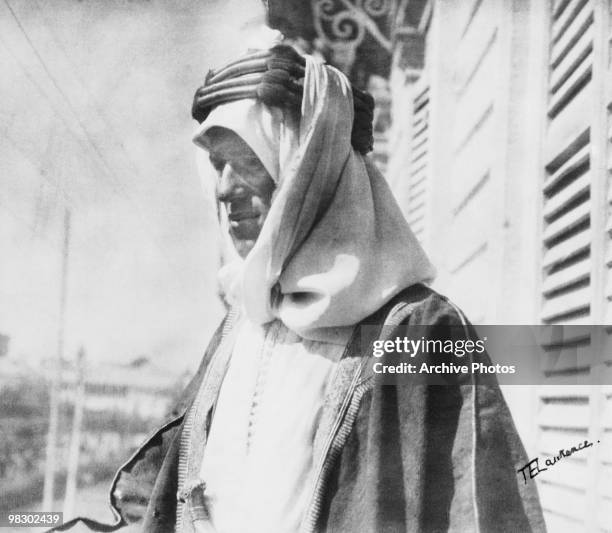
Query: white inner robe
{"points": [[258, 464]]}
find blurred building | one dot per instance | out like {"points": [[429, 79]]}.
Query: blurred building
{"points": [[140, 389], [121, 405], [24, 401], [494, 132]]}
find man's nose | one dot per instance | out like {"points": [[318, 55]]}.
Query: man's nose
{"points": [[230, 184]]}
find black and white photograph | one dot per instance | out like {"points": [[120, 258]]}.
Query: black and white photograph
{"points": [[306, 266]]}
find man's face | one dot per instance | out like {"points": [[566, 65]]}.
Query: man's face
{"points": [[243, 185]]}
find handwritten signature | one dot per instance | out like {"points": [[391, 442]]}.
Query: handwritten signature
{"points": [[533, 467]]}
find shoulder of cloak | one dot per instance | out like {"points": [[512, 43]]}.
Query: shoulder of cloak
{"points": [[447, 454], [418, 305]]}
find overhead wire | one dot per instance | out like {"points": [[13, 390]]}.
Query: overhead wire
{"points": [[63, 95], [88, 138], [67, 199], [45, 95], [94, 104]]}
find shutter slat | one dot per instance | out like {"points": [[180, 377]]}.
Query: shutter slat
{"points": [[564, 415], [567, 276], [415, 196], [417, 143], [557, 523], [558, 7], [566, 473], [551, 440], [417, 205], [564, 21], [572, 59], [416, 192], [420, 170], [575, 161], [415, 215], [420, 118], [579, 26], [420, 183], [416, 180], [567, 249], [571, 335], [557, 202], [576, 321], [568, 128], [417, 227], [566, 91], [420, 130], [567, 303], [417, 230], [569, 360], [568, 159], [563, 501], [417, 221], [422, 97], [419, 152], [416, 212], [470, 168], [567, 221], [421, 110]]}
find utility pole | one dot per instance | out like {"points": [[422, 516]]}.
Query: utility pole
{"points": [[75, 437], [56, 379]]}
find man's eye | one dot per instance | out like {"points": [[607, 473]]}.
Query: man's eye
{"points": [[253, 162], [249, 165]]}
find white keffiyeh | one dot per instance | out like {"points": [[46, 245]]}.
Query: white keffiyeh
{"points": [[335, 246]]}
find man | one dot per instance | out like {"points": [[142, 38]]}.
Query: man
{"points": [[286, 426]]}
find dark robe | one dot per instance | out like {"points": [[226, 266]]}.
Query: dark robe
{"points": [[390, 455]]}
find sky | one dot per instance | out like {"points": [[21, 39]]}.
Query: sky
{"points": [[95, 101]]}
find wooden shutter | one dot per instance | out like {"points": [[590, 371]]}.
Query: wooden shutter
{"points": [[564, 412], [608, 239], [576, 493], [563, 421], [604, 488], [604, 495], [567, 186], [608, 295], [419, 160], [478, 64]]}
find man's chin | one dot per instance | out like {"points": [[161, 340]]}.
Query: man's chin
{"points": [[243, 245], [244, 233]]}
